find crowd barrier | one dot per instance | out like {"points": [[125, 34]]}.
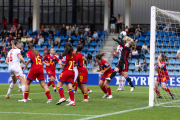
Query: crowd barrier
{"points": [[93, 79]]}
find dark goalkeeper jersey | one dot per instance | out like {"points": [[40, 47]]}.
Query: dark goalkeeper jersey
{"points": [[125, 54]]}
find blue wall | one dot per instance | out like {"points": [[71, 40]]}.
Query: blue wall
{"points": [[93, 79]]}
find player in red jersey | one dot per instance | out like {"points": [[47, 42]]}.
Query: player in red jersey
{"points": [[49, 60], [163, 76], [83, 73], [67, 75], [105, 68], [36, 72]]}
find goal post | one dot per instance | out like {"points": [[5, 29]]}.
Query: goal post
{"points": [[152, 55]]}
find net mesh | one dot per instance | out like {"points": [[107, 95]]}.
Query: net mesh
{"points": [[168, 43]]}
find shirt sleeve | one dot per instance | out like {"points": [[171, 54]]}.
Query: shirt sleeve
{"points": [[64, 60], [18, 52], [117, 49], [44, 59], [28, 56], [106, 64]]}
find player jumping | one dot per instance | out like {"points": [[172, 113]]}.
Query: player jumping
{"points": [[163, 76], [105, 68], [123, 63], [49, 60], [36, 72]]}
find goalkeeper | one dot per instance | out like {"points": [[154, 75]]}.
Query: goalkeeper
{"points": [[123, 62]]}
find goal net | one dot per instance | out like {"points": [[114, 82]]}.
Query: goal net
{"points": [[167, 41]]}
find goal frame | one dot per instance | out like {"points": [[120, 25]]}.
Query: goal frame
{"points": [[152, 55]]}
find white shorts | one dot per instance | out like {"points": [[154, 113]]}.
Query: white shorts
{"points": [[112, 26], [76, 73], [15, 71]]}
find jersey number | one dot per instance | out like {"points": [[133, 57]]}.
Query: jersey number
{"points": [[71, 65], [38, 60], [11, 58]]}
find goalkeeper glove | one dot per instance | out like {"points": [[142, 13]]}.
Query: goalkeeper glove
{"points": [[115, 39], [120, 37]]}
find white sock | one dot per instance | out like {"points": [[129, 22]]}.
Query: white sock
{"points": [[10, 88], [120, 81], [54, 88], [123, 82], [18, 84], [23, 90]]}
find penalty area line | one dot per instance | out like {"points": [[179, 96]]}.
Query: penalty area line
{"points": [[119, 112], [1, 112]]}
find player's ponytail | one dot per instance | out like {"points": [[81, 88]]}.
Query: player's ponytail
{"points": [[164, 57], [69, 49], [79, 48], [99, 56], [31, 47], [14, 43]]}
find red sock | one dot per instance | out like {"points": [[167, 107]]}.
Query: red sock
{"points": [[61, 92], [168, 90], [71, 94], [85, 96], [49, 83], [53, 84], [157, 92], [26, 94], [108, 89], [88, 89], [75, 87], [103, 89], [48, 94]]}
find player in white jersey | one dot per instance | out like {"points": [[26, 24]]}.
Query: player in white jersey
{"points": [[122, 80], [76, 74], [13, 61]]}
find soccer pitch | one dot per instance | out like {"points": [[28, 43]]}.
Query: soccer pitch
{"points": [[125, 105]]}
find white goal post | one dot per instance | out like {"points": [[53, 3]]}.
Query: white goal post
{"points": [[152, 55]]}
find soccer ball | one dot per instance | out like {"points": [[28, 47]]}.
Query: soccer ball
{"points": [[123, 33]]}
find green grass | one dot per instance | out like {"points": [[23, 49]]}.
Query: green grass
{"points": [[39, 110]]}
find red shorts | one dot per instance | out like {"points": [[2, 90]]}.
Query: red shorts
{"points": [[67, 77], [163, 79], [51, 72], [83, 76], [39, 74], [105, 75]]}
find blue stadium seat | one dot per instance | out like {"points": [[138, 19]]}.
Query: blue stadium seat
{"points": [[163, 49], [144, 33], [97, 48], [41, 53], [102, 38], [6, 70], [177, 67], [57, 66], [89, 66], [142, 38], [78, 37], [147, 61], [113, 66], [129, 72], [143, 73], [46, 43], [38, 48], [170, 73], [55, 37], [83, 53], [173, 55], [175, 49], [63, 43], [73, 37], [56, 48], [66, 37], [91, 48], [168, 33], [100, 43], [131, 67], [178, 38], [133, 61], [161, 27], [171, 44], [148, 55], [178, 61], [173, 33], [168, 55], [60, 70], [177, 44], [62, 37], [160, 38], [136, 72], [75, 43], [61, 48], [157, 33], [156, 55], [162, 33], [105, 32], [30, 32], [140, 60], [115, 60], [140, 43], [173, 38], [29, 65], [93, 43], [58, 32], [26, 71], [49, 47], [99, 32], [175, 73], [166, 38], [172, 61], [3, 58], [149, 33], [147, 43], [148, 38], [94, 54], [3, 65], [26, 48], [169, 49], [170, 67]]}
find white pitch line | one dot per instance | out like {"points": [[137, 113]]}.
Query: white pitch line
{"points": [[1, 112], [168, 102], [22, 94], [119, 112]]}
